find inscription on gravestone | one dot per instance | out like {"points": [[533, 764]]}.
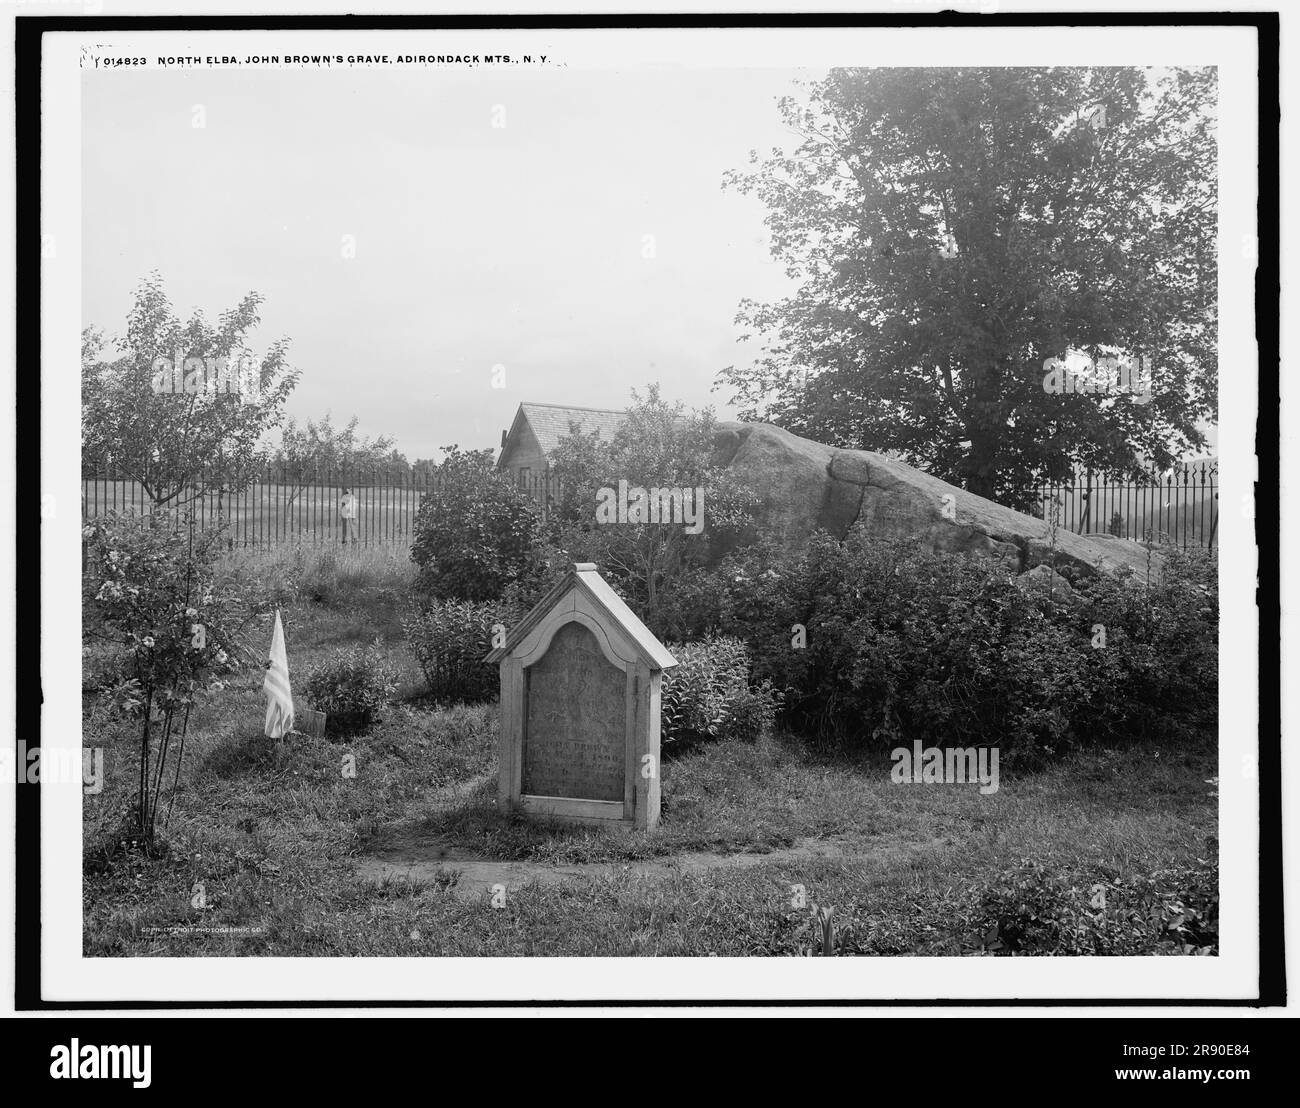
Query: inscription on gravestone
{"points": [[575, 721]]}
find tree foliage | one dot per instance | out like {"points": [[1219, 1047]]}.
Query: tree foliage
{"points": [[317, 450], [951, 229], [177, 444], [659, 445]]}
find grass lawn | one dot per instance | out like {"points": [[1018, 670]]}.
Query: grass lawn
{"points": [[275, 835]]}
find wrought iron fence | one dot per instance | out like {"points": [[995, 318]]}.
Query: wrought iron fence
{"points": [[275, 506], [1179, 505]]}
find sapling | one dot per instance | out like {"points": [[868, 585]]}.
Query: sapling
{"points": [[151, 589]]}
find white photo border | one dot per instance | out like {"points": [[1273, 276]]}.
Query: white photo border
{"points": [[67, 977]]}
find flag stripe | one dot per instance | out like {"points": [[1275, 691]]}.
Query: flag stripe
{"points": [[279, 694]]}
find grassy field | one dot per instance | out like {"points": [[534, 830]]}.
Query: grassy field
{"points": [[279, 839]]}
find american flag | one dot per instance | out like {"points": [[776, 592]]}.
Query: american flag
{"points": [[279, 704]]}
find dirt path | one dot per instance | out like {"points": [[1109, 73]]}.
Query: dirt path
{"points": [[474, 875]]}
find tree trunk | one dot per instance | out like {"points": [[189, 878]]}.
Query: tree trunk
{"points": [[979, 470]]}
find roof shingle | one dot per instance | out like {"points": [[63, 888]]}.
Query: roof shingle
{"points": [[550, 422]]}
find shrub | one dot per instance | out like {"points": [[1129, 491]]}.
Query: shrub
{"points": [[900, 644], [351, 687], [690, 604], [881, 642], [545, 565], [449, 639], [708, 695], [1158, 675], [1031, 910], [474, 531]]}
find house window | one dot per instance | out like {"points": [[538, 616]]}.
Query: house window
{"points": [[524, 471]]}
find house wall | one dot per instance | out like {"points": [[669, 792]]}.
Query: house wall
{"points": [[524, 451]]}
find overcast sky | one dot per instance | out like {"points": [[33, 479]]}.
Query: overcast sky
{"points": [[475, 246]]}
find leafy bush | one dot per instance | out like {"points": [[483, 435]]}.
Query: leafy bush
{"points": [[1158, 675], [449, 639], [545, 565], [1030, 910], [875, 642], [708, 695], [886, 643], [351, 687], [473, 532]]}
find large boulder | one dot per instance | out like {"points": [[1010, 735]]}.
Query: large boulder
{"points": [[803, 486]]}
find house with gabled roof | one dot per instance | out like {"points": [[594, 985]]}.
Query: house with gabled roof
{"points": [[538, 428]]}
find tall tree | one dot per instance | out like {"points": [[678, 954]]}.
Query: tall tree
{"points": [[953, 229], [178, 432]]}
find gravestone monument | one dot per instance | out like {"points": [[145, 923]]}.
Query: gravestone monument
{"points": [[580, 678]]}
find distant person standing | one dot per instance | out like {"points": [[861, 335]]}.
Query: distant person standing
{"points": [[348, 514]]}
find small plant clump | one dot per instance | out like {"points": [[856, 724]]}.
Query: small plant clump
{"points": [[351, 687]]}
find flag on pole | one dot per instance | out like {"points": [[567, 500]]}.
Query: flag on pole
{"points": [[279, 705]]}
